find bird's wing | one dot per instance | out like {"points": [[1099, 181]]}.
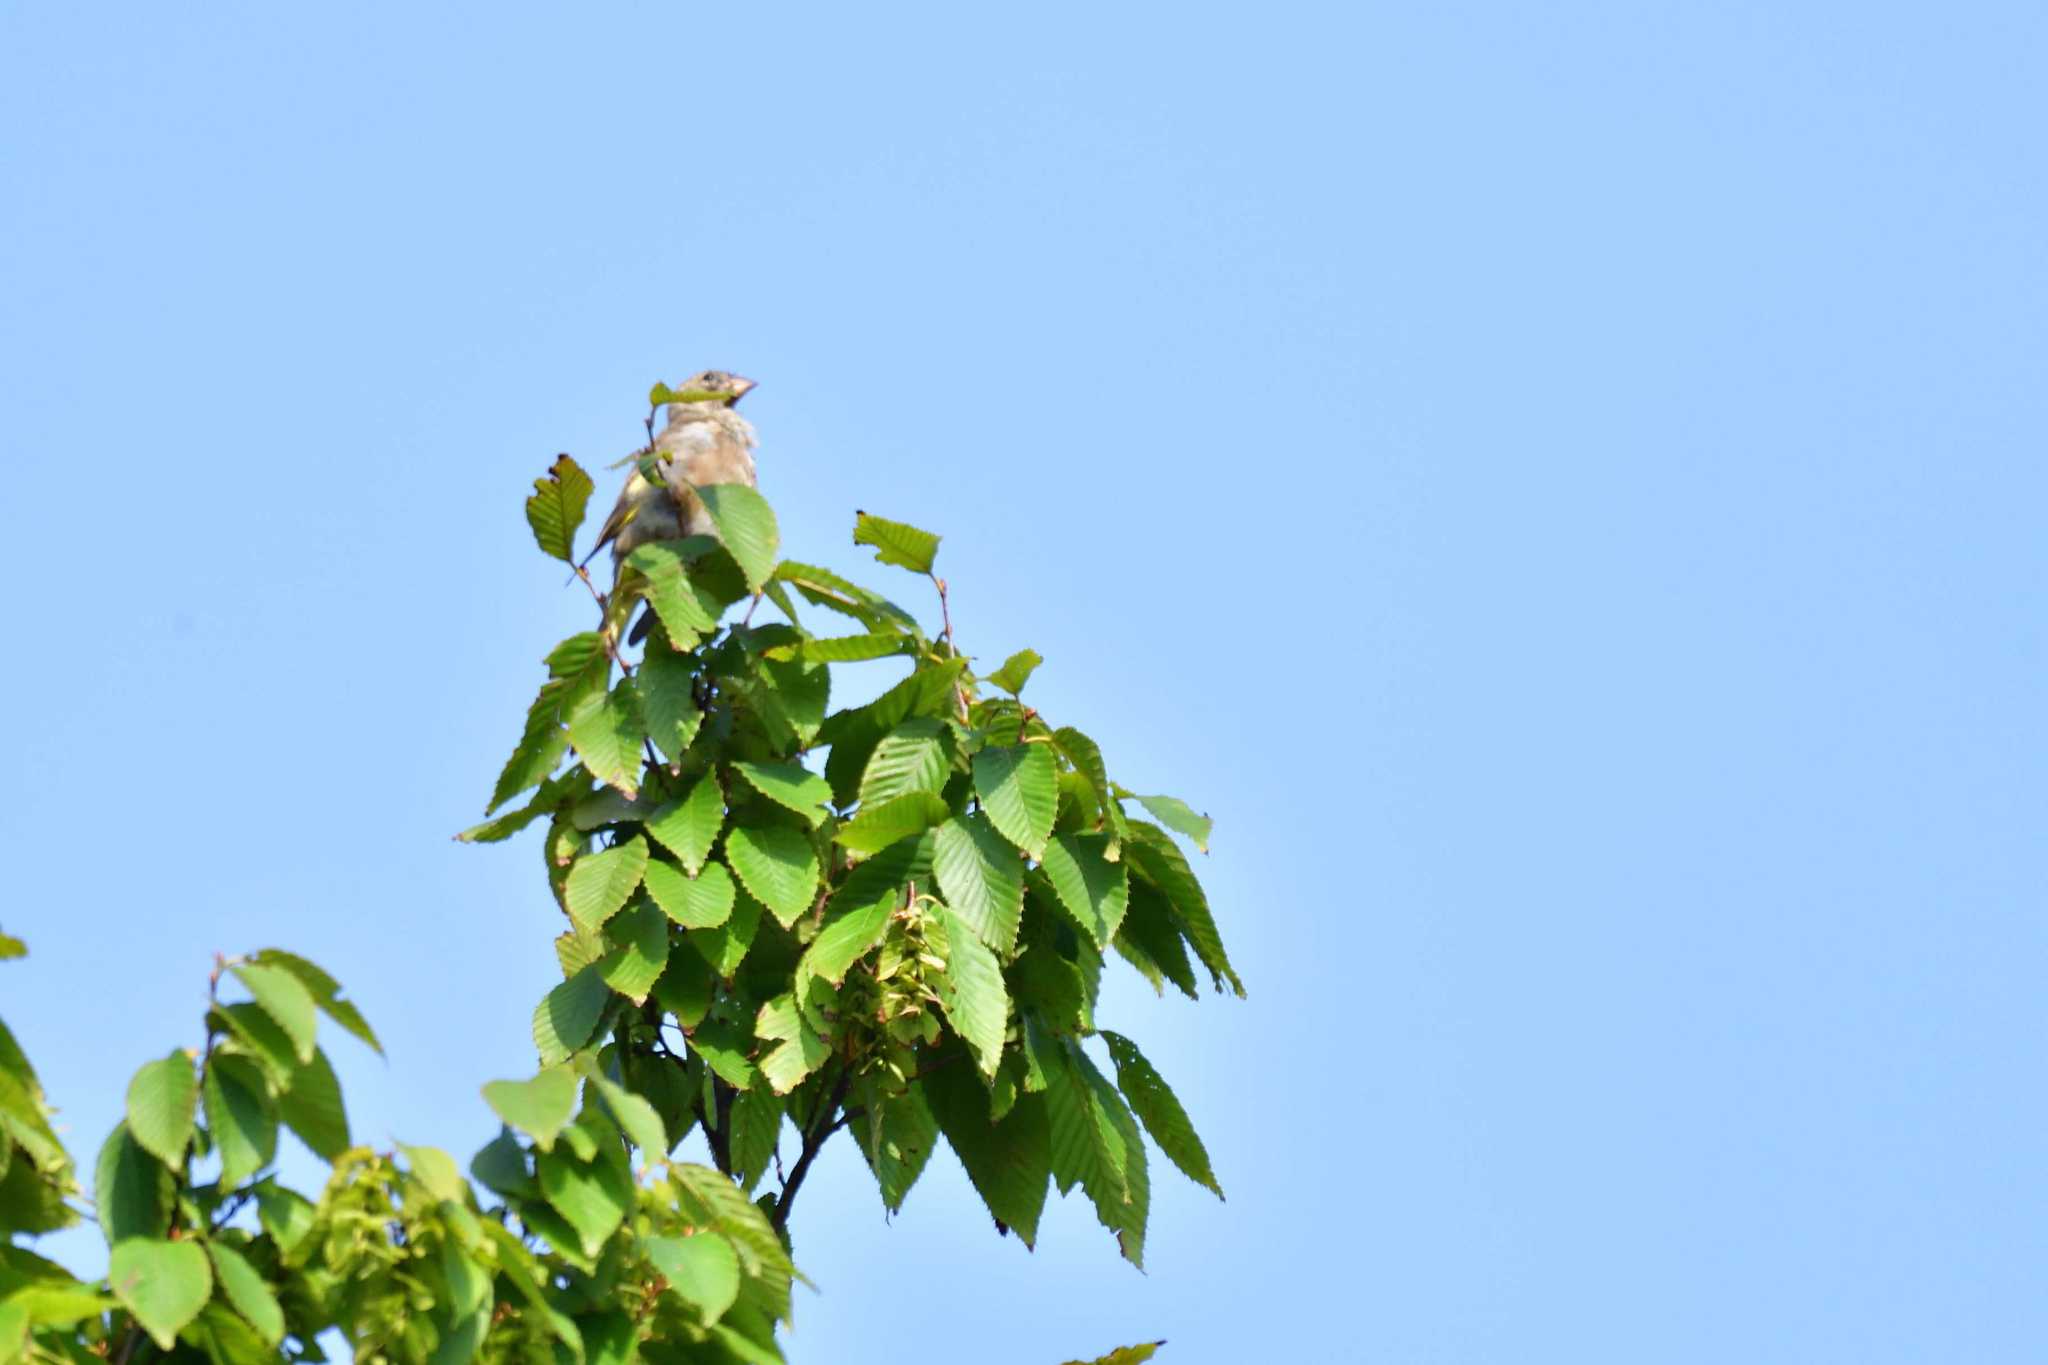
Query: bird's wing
{"points": [[622, 512]]}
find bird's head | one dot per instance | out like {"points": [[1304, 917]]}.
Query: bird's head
{"points": [[722, 387]]}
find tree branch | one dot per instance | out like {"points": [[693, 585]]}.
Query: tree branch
{"points": [[822, 1128]]}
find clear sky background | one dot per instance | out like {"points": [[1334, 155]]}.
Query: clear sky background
{"points": [[1561, 484]]}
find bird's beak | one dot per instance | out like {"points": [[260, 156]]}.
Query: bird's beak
{"points": [[742, 386]]}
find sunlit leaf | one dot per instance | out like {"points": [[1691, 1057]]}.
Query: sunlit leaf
{"points": [[896, 543], [556, 508]]}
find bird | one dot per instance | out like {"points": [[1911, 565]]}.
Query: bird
{"points": [[704, 442]]}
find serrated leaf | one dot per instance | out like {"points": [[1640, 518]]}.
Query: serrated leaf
{"points": [[1007, 1162], [1161, 1112], [1151, 941], [606, 730], [539, 1108], [163, 1284], [982, 878], [700, 902], [725, 946], [971, 992], [162, 1098], [896, 1134], [1082, 752], [667, 703], [791, 695], [1086, 1146], [1019, 788], [756, 1124], [829, 590], [241, 1117], [801, 1050], [636, 1118], [1153, 855], [844, 649], [641, 934], [778, 866], [887, 822], [592, 1196], [1094, 890], [556, 508], [911, 758], [326, 993], [132, 1190], [313, 1109], [746, 525], [687, 612], [247, 1293], [567, 1016], [289, 1004], [500, 1165], [436, 1170], [791, 786], [1016, 670], [896, 543], [711, 1201], [724, 1046], [600, 884], [1125, 1355], [689, 825], [1181, 818], [703, 1271], [841, 943]]}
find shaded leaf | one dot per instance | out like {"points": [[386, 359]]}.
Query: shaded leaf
{"points": [[746, 525], [312, 1108], [1153, 855], [606, 730], [664, 681], [1160, 1110], [592, 1196], [703, 1271], [567, 1016], [1007, 1162], [247, 1292], [289, 1004], [1094, 890], [725, 946], [326, 993], [791, 786], [970, 990], [241, 1117], [132, 1190], [642, 954]]}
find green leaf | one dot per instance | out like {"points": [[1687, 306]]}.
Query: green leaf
{"points": [[724, 1046], [1124, 1355], [11, 947], [1016, 670], [285, 1214], [1152, 942], [756, 1124], [703, 1271], [886, 822], [1008, 1162], [642, 955], [971, 992], [313, 1109], [1094, 890], [636, 1118], [687, 613], [1154, 856], [853, 733], [131, 1189], [1181, 818], [896, 1135], [161, 1101], [326, 993], [700, 902], [689, 825], [1081, 751], [600, 884], [896, 543], [556, 508], [607, 731], [801, 1051], [163, 1284], [841, 943], [247, 1292], [241, 1117], [791, 786], [725, 946], [982, 878], [792, 696], [1095, 1141], [913, 757], [1161, 1112], [778, 866], [253, 1034], [501, 1165], [746, 524], [710, 1201], [844, 649], [592, 1196], [667, 704], [567, 1016], [435, 1170], [538, 1108], [289, 1004], [1019, 788], [829, 590]]}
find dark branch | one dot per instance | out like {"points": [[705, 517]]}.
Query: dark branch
{"points": [[821, 1129]]}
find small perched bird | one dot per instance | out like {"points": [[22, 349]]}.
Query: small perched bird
{"points": [[705, 442]]}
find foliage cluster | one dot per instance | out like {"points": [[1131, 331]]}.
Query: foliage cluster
{"points": [[904, 942]]}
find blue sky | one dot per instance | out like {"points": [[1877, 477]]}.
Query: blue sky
{"points": [[1561, 485]]}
